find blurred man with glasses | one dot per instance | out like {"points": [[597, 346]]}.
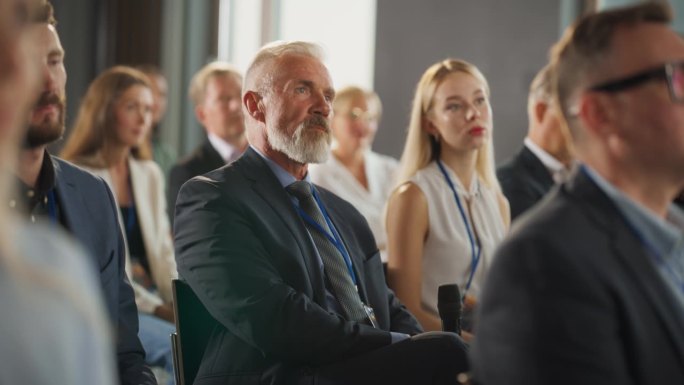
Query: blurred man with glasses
{"points": [[589, 289]]}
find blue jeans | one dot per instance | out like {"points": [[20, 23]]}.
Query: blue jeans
{"points": [[154, 333]]}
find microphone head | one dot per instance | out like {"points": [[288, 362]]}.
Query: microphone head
{"points": [[449, 300], [449, 307], [448, 293]]}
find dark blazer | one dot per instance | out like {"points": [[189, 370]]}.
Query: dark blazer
{"points": [[247, 255], [202, 160], [90, 213], [573, 298], [524, 180]]}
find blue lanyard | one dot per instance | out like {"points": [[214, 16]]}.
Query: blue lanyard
{"points": [[334, 238], [475, 249], [650, 248], [52, 205]]}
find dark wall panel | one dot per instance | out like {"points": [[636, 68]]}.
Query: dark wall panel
{"points": [[507, 40]]}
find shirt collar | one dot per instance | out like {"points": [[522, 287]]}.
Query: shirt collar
{"points": [[227, 151], [284, 177], [552, 164], [663, 234]]}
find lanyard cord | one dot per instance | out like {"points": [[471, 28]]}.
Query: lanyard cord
{"points": [[475, 250], [332, 236]]}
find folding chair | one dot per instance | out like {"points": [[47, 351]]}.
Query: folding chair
{"points": [[194, 325]]}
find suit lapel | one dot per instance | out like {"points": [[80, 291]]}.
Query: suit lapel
{"points": [[212, 159], [268, 187], [537, 171], [636, 261], [630, 253], [72, 205]]}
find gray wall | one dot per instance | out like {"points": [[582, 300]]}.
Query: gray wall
{"points": [[77, 25], [507, 40]]}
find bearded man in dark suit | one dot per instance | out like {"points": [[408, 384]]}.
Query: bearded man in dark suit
{"points": [[289, 270], [78, 201]]}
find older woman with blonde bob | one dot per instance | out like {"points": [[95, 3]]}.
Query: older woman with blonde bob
{"points": [[448, 213], [109, 140], [353, 171]]}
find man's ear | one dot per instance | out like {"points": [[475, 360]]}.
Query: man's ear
{"points": [[199, 114], [597, 112], [253, 104], [540, 108]]}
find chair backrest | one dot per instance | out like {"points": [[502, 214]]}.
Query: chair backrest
{"points": [[194, 325]]}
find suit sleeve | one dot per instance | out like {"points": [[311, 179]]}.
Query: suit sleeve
{"points": [[544, 318], [178, 175], [227, 264], [130, 353]]}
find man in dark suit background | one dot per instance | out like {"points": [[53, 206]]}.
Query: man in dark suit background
{"points": [[546, 155], [589, 287], [78, 201], [215, 91], [299, 299]]}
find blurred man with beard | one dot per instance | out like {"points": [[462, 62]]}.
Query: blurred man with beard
{"points": [[76, 200], [289, 270]]}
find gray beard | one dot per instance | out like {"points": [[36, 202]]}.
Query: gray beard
{"points": [[305, 146]]}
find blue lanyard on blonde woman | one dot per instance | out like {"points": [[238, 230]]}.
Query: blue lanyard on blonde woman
{"points": [[474, 247]]}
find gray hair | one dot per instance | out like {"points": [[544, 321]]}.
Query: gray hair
{"points": [[255, 79], [541, 88]]}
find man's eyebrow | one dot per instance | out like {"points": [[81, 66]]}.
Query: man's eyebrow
{"points": [[56, 52]]}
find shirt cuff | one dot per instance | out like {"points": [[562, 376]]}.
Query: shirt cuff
{"points": [[398, 337]]}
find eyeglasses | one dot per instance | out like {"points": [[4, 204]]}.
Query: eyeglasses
{"points": [[672, 72], [357, 114]]}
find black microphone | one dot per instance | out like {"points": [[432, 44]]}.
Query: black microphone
{"points": [[449, 306]]}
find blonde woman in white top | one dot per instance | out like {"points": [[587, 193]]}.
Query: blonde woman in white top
{"points": [[353, 171], [448, 213]]}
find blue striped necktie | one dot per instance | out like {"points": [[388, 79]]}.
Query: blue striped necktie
{"points": [[333, 262]]}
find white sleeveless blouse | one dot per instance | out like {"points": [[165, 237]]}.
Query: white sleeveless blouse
{"points": [[447, 252]]}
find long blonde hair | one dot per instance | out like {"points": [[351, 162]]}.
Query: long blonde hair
{"points": [[95, 122], [421, 148]]}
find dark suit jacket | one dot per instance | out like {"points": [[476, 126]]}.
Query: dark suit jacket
{"points": [[204, 159], [524, 180], [573, 298], [247, 255], [89, 210]]}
